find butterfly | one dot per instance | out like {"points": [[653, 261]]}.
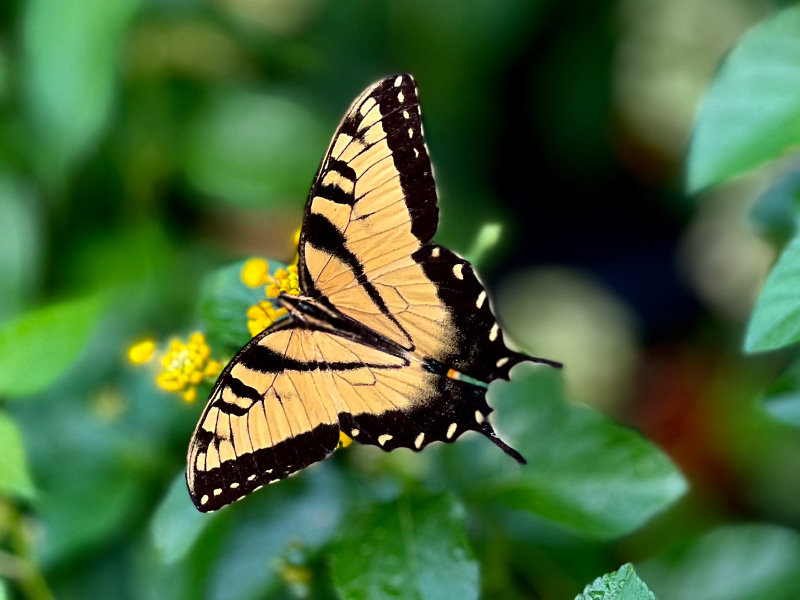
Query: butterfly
{"points": [[392, 340]]}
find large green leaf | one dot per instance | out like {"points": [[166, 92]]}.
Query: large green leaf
{"points": [[300, 514], [71, 50], [20, 245], [584, 471], [740, 562], [39, 346], [415, 548], [622, 584], [775, 322], [752, 112], [177, 524], [224, 301], [14, 476]]}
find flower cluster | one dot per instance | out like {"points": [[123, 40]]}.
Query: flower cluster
{"points": [[185, 366], [262, 315], [256, 273]]}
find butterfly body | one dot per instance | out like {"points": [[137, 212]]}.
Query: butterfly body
{"points": [[316, 315], [392, 339]]}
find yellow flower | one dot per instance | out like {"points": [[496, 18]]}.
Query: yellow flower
{"points": [[262, 315], [185, 366], [255, 272], [141, 352], [344, 440]]}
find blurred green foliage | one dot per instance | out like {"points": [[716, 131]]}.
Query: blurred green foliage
{"points": [[148, 147]]}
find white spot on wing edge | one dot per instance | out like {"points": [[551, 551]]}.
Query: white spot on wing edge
{"points": [[451, 430], [217, 492], [234, 485], [494, 331], [502, 361], [457, 271], [419, 440], [481, 298], [384, 438], [273, 481], [416, 153], [435, 253], [251, 478], [479, 417], [204, 499], [406, 115], [398, 81], [400, 97], [354, 433], [410, 132]]}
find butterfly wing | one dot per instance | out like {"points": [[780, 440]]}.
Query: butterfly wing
{"points": [[364, 247]]}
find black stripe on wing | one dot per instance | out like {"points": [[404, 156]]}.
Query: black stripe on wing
{"points": [[399, 104], [234, 479], [479, 350], [455, 408]]}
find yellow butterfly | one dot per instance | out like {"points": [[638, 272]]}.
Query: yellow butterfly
{"points": [[385, 328]]}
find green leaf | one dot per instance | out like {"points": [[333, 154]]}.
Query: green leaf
{"points": [[775, 322], [584, 472], [177, 524], [622, 584], [740, 562], [776, 211], [253, 149], [224, 301], [299, 514], [72, 52], [781, 398], [485, 241], [414, 548], [39, 346], [752, 112], [20, 246], [14, 476]]}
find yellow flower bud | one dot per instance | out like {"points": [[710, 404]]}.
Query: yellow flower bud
{"points": [[141, 352], [212, 369], [190, 395], [255, 272], [169, 382], [255, 327]]}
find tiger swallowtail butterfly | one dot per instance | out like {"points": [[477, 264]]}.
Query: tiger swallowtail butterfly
{"points": [[390, 337]]}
